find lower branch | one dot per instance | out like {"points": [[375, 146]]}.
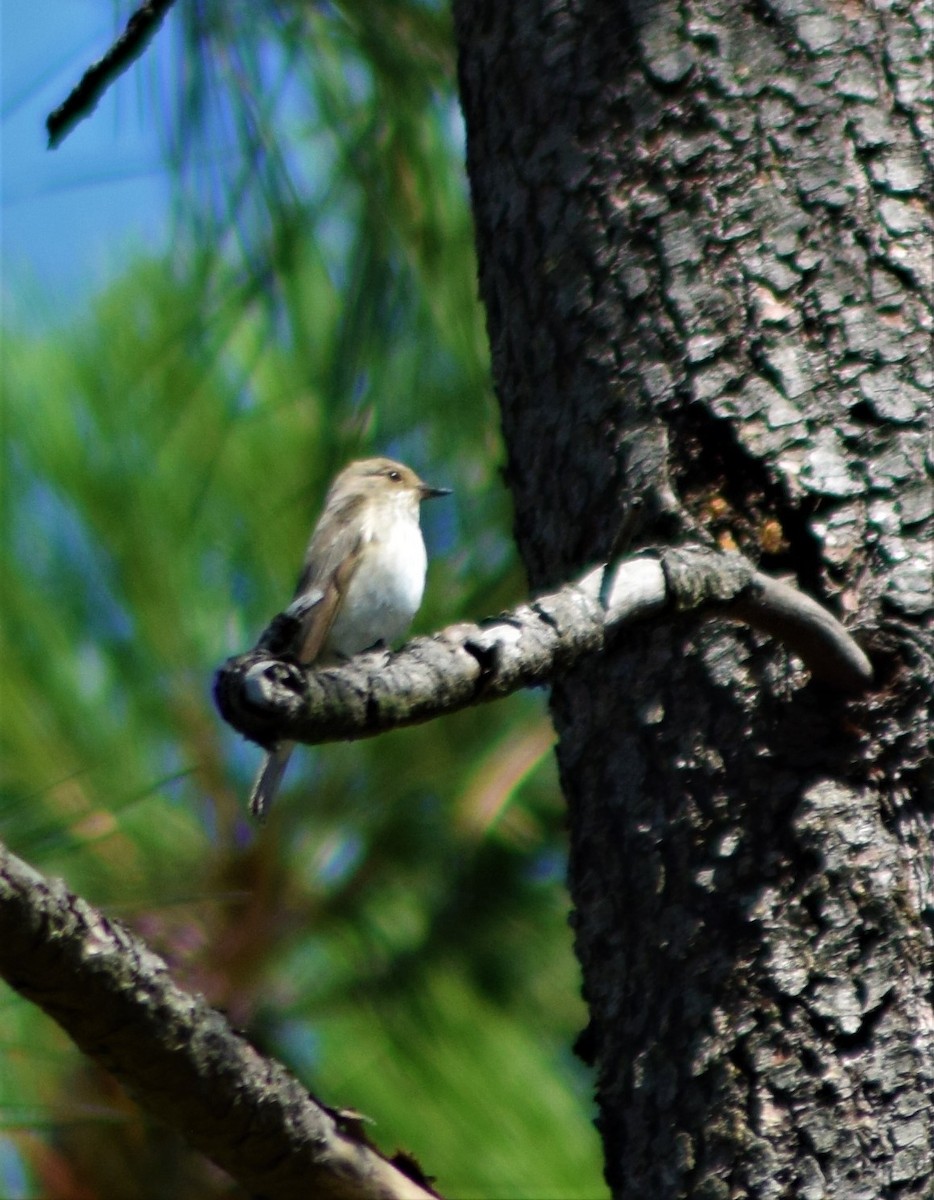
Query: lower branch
{"points": [[178, 1056], [268, 696]]}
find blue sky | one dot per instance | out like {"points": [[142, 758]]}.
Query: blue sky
{"points": [[69, 217]]}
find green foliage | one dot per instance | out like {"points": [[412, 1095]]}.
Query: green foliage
{"points": [[397, 933]]}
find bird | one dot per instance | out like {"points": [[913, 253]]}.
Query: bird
{"points": [[362, 580]]}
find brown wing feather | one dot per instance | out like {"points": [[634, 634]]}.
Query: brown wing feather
{"points": [[332, 557]]}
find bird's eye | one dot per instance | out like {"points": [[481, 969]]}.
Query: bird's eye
{"points": [[394, 476]]}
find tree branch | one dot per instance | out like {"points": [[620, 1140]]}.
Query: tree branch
{"points": [[82, 99], [178, 1056], [266, 695]]}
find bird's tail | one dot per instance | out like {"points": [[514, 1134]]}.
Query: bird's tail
{"points": [[269, 778]]}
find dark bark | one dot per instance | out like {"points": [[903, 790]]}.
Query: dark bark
{"points": [[178, 1056], [704, 246], [81, 101]]}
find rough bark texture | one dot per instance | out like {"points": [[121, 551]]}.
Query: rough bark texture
{"points": [[178, 1056], [268, 695], [707, 228]]}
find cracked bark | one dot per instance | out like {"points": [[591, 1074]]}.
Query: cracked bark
{"points": [[720, 218], [178, 1056]]}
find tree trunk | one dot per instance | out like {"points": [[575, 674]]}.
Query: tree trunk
{"points": [[704, 252]]}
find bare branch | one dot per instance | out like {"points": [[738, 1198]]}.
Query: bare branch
{"points": [[83, 98], [178, 1056], [267, 696]]}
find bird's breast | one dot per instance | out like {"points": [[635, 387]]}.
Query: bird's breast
{"points": [[385, 591]]}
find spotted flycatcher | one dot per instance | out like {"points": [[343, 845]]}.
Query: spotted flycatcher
{"points": [[362, 581]]}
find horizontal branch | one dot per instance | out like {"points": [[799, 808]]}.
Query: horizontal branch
{"points": [[267, 696], [178, 1056]]}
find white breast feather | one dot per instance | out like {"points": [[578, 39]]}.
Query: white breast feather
{"points": [[385, 591]]}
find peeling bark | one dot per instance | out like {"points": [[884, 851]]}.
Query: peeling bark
{"points": [[704, 243]]}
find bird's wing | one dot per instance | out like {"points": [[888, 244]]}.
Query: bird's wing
{"points": [[320, 618], [331, 560]]}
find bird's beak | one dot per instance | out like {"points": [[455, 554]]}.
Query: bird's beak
{"points": [[431, 493]]}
